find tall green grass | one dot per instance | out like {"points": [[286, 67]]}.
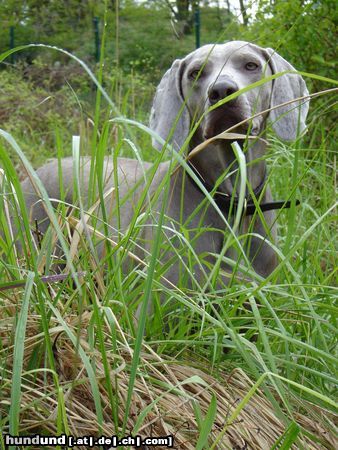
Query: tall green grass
{"points": [[79, 334]]}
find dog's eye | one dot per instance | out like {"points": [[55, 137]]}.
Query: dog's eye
{"points": [[251, 66], [194, 74]]}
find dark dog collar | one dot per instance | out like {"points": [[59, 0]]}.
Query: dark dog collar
{"points": [[229, 203]]}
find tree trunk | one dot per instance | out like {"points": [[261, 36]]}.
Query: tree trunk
{"points": [[243, 12], [182, 9]]}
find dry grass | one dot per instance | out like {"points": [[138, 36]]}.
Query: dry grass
{"points": [[170, 387]]}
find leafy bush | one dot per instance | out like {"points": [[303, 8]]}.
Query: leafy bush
{"points": [[304, 32], [39, 100], [32, 112]]}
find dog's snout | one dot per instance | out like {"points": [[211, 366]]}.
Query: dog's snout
{"points": [[221, 89]]}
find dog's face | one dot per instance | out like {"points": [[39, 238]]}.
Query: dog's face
{"points": [[192, 88], [214, 72]]}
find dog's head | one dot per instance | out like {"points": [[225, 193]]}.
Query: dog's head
{"points": [[212, 73]]}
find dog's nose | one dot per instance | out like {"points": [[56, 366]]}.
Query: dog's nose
{"points": [[221, 89]]}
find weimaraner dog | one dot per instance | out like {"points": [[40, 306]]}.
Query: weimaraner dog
{"points": [[186, 93]]}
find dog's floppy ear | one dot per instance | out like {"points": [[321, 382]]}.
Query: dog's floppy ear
{"points": [[169, 115], [289, 120]]}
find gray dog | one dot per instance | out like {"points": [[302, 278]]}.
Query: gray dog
{"points": [[185, 94]]}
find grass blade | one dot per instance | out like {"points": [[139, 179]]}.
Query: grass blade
{"points": [[19, 346], [207, 424], [288, 438]]}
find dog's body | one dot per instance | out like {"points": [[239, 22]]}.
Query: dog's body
{"points": [[186, 92]]}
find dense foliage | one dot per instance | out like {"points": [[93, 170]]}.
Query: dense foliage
{"points": [[303, 32], [148, 35], [141, 41]]}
